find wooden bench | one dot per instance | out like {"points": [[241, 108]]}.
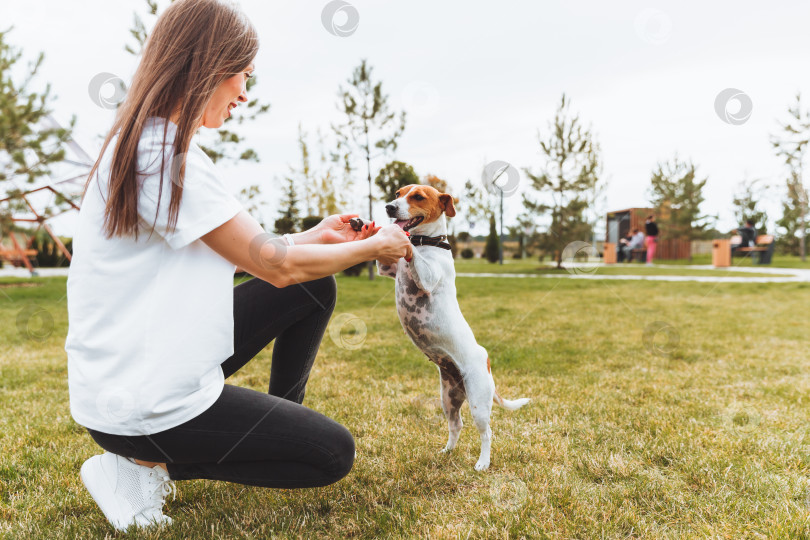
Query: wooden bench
{"points": [[640, 254], [763, 250]]}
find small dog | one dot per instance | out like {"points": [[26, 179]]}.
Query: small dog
{"points": [[430, 314]]}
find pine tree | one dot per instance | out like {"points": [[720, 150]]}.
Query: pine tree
{"points": [[568, 180], [28, 145], [677, 195], [492, 249], [793, 225], [288, 222]]}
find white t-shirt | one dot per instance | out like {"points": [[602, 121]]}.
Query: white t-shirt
{"points": [[150, 321]]}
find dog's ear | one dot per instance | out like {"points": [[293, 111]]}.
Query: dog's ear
{"points": [[447, 203]]}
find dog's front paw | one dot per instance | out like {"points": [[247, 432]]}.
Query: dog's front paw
{"points": [[446, 449], [482, 465]]}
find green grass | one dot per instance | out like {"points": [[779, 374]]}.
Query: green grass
{"points": [[630, 434], [532, 266]]}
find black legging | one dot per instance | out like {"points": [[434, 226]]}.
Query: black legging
{"points": [[250, 437]]}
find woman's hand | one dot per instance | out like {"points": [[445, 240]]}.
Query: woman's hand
{"points": [[336, 229], [392, 244], [244, 243]]}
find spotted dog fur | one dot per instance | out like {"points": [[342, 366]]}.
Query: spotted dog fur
{"points": [[430, 315]]}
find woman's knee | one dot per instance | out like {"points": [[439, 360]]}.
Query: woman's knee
{"points": [[343, 454], [325, 290]]}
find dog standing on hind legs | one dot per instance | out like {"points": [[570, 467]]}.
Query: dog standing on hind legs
{"points": [[429, 312]]}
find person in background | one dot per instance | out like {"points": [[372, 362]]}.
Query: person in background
{"points": [[651, 241], [623, 243], [748, 234], [636, 242]]}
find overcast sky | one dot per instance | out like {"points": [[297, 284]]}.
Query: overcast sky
{"points": [[480, 78]]}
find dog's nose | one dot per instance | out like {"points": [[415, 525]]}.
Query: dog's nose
{"points": [[391, 210]]}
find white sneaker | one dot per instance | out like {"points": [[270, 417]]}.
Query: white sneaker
{"points": [[127, 493]]}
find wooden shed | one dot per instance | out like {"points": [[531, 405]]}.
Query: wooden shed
{"points": [[620, 222]]}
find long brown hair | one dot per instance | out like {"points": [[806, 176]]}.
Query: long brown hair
{"points": [[195, 46]]}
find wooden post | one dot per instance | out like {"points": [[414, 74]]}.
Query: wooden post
{"points": [[609, 253], [21, 253], [721, 253]]}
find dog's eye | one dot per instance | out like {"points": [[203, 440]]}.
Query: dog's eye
{"points": [[418, 197], [396, 195]]}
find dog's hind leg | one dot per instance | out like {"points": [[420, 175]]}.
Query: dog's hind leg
{"points": [[480, 391], [451, 387]]}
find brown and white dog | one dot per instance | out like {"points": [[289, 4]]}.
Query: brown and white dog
{"points": [[430, 314]]}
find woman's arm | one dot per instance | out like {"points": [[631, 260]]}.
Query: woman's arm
{"points": [[243, 242]]}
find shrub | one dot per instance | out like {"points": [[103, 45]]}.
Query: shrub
{"points": [[309, 222], [467, 253], [285, 225], [355, 270]]}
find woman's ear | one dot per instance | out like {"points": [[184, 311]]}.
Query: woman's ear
{"points": [[447, 202]]}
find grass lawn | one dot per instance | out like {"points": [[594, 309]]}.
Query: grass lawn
{"points": [[675, 410]]}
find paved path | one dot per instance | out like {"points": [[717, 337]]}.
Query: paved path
{"points": [[591, 271], [578, 271], [10, 271]]}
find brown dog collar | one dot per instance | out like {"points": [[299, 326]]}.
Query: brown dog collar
{"points": [[436, 241]]}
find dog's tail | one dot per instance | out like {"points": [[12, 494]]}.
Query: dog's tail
{"points": [[511, 404]]}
